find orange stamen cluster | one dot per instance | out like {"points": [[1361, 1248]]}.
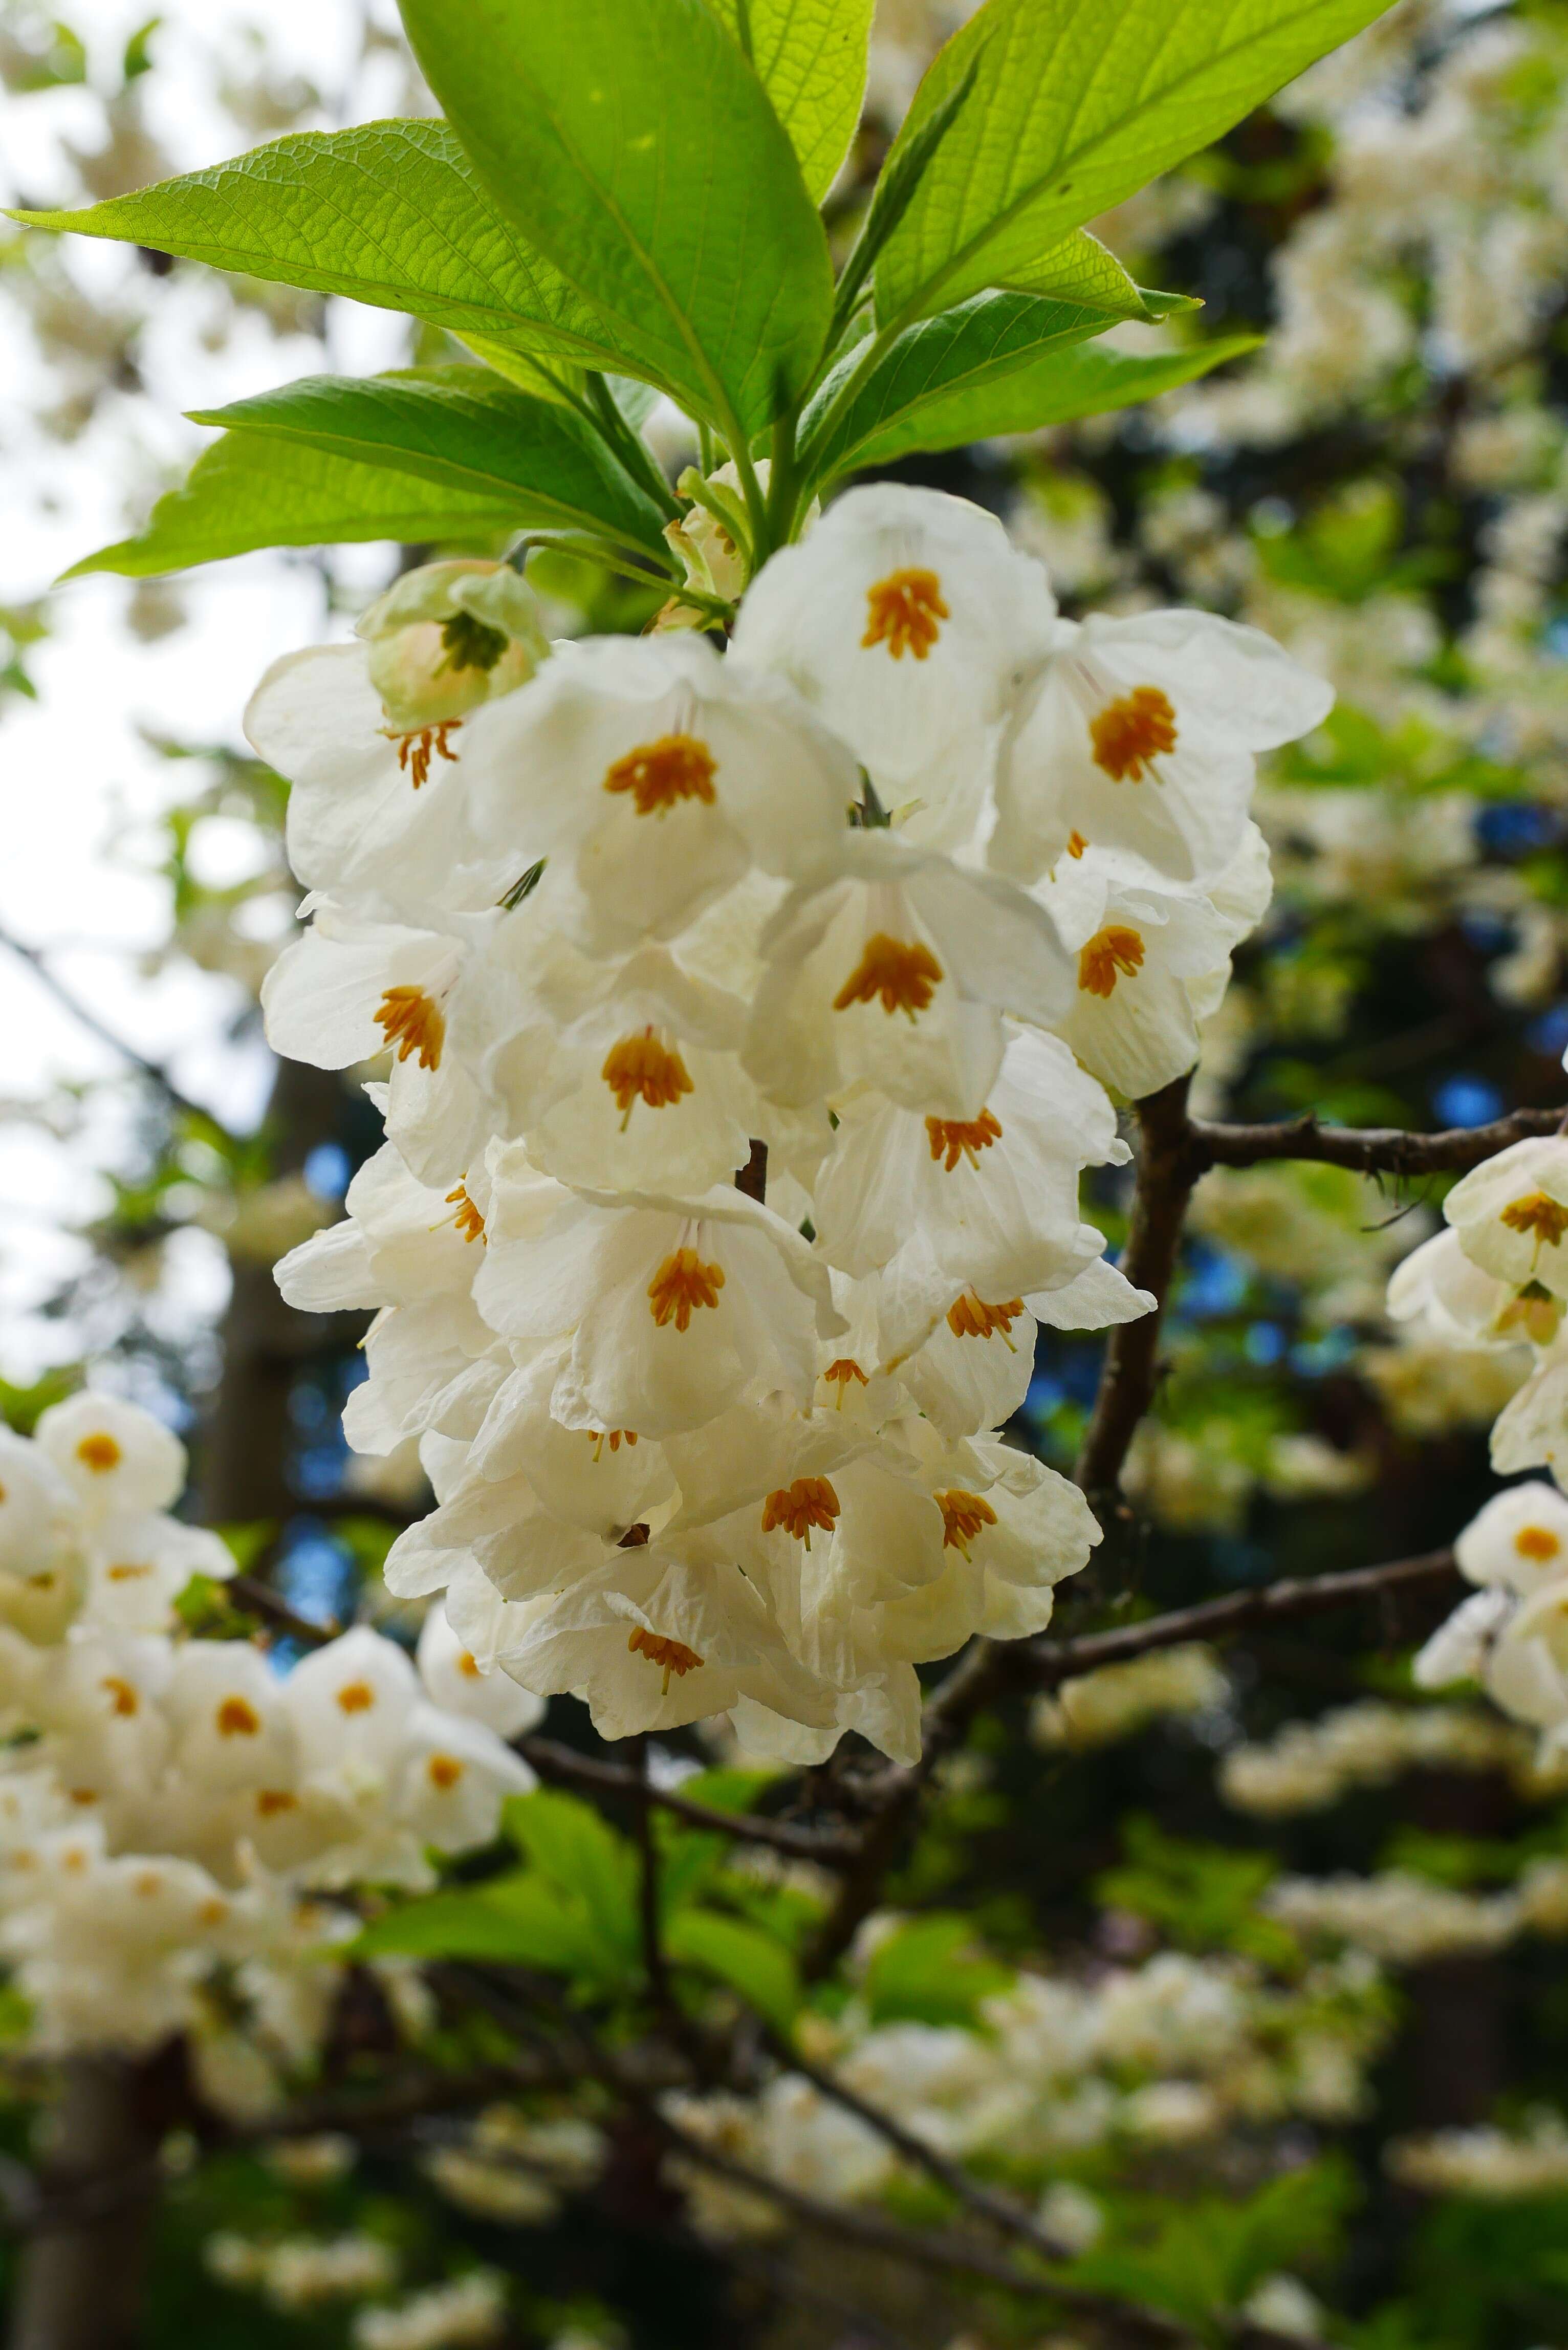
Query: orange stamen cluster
{"points": [[682, 1283], [971, 1318], [615, 1437], [271, 1800], [468, 1220], [1547, 1219], [356, 1697], [443, 1771], [237, 1718], [416, 751], [658, 776], [963, 1516], [1538, 1543], [99, 1452], [412, 1021], [1110, 954], [904, 975], [1128, 736], [962, 1138], [905, 612], [122, 1695], [674, 1656], [640, 1069], [809, 1502], [838, 1375], [1076, 844]]}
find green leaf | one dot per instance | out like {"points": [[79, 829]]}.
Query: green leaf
{"points": [[996, 364], [634, 144], [891, 198], [390, 212], [249, 490], [462, 429], [530, 1927], [1076, 104], [810, 57], [923, 1973], [751, 1962], [579, 1855]]}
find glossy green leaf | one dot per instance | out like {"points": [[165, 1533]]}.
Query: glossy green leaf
{"points": [[390, 212], [461, 428], [935, 389], [249, 491], [529, 1927], [933, 365], [750, 1961], [634, 146], [810, 57], [1077, 103], [577, 1853]]}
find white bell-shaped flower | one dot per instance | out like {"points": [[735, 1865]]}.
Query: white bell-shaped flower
{"points": [[906, 618], [113, 1455], [41, 1541], [624, 1076], [351, 989], [349, 1703], [987, 1204], [655, 773], [1442, 1294], [1147, 953], [413, 1252], [652, 1641], [1140, 734], [369, 808], [459, 1682], [1460, 1647], [231, 1721], [892, 968], [674, 1306], [1510, 1214], [1531, 1430], [1520, 1540], [138, 1565], [600, 1479], [456, 1773]]}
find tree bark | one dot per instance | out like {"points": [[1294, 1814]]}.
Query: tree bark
{"points": [[79, 2285]]}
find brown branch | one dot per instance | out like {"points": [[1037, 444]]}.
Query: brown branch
{"points": [[1167, 1169], [930, 2247], [253, 1597], [1367, 1149], [983, 2201], [1043, 1664], [833, 1847]]}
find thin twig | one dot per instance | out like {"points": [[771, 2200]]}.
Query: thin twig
{"points": [[1367, 1149], [154, 1072], [256, 1599]]}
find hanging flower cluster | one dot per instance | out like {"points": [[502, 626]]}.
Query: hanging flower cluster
{"points": [[751, 1017], [169, 1806], [1497, 1277]]}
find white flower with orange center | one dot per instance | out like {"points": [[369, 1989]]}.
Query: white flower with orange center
{"points": [[652, 775], [984, 1207], [460, 1682], [893, 969], [906, 618], [674, 1309], [655, 1639], [1141, 736], [1152, 958], [113, 1456], [405, 1250], [599, 1479], [1439, 1293], [1510, 1214], [623, 1076], [457, 1769], [1520, 1540], [351, 989]]}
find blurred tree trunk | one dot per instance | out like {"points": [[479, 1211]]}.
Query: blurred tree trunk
{"points": [[80, 2286]]}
